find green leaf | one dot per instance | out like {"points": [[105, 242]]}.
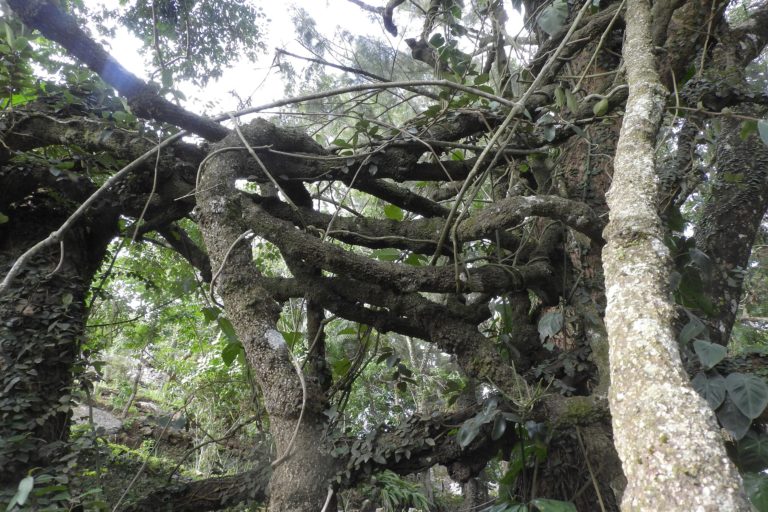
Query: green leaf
{"points": [[22, 493], [341, 367], [550, 324], [341, 143], [8, 33], [692, 329], [229, 331], [291, 337], [548, 127], [712, 388], [733, 420], [388, 254], [709, 353], [748, 127], [393, 212], [756, 485], [67, 299], [503, 507], [748, 392], [20, 43], [499, 427], [553, 17], [415, 260], [601, 107], [559, 96], [753, 452], [571, 101], [547, 505], [481, 79], [762, 130], [392, 360], [437, 40], [230, 352], [468, 432], [211, 313]]}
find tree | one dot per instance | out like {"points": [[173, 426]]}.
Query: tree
{"points": [[476, 225]]}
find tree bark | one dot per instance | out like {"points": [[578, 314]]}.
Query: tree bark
{"points": [[665, 434], [300, 481], [43, 322]]}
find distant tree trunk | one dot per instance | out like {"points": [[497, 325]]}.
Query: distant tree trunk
{"points": [[43, 320], [134, 390], [475, 491], [665, 433]]}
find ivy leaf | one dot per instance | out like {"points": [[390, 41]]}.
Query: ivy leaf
{"points": [[748, 392], [712, 388], [550, 324], [709, 353], [692, 329], [733, 420], [393, 212]]}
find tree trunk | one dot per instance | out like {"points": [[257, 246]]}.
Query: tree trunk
{"points": [[665, 433], [43, 320], [301, 477]]}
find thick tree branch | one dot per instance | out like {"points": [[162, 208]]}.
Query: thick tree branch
{"points": [[180, 241], [54, 24], [432, 279], [209, 494]]}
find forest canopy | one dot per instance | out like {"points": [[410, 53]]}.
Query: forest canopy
{"points": [[479, 255]]}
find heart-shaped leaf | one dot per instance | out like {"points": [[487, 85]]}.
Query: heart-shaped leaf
{"points": [[709, 353], [711, 387], [748, 392], [733, 420]]}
